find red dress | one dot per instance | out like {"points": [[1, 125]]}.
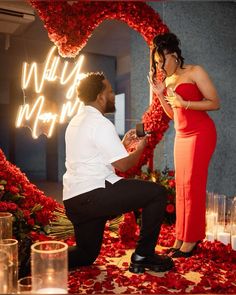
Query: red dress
{"points": [[195, 142]]}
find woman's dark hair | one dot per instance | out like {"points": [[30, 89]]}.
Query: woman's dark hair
{"points": [[90, 86], [166, 43]]}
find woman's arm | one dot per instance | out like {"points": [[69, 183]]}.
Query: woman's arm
{"points": [[211, 100]]}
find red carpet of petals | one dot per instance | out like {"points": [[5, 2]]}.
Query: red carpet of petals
{"points": [[215, 264]]}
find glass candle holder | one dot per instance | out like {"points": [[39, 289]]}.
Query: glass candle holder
{"points": [[49, 262], [4, 281], [209, 202], [24, 285], [220, 210], [211, 217], [233, 224], [5, 225], [10, 246]]}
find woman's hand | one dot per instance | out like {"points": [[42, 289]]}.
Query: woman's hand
{"points": [[157, 86], [175, 100]]}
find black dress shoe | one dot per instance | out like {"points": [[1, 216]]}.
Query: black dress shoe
{"points": [[157, 263]]}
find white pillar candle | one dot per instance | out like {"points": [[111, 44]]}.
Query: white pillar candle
{"points": [[223, 237], [210, 237], [233, 242], [220, 228], [211, 219]]}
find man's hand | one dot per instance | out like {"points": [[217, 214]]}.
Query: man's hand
{"points": [[130, 138], [135, 145]]}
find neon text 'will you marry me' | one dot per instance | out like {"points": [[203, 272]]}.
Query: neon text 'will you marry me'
{"points": [[35, 113]]}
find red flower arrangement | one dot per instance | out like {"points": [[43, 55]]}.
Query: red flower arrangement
{"points": [[32, 211], [70, 24], [167, 179]]}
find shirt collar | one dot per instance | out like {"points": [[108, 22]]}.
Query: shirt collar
{"points": [[91, 109]]}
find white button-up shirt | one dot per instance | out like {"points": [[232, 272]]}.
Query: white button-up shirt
{"points": [[92, 144]]}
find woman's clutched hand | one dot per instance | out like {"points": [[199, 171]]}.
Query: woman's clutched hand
{"points": [[174, 99]]}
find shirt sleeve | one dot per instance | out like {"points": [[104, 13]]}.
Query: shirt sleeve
{"points": [[108, 142]]}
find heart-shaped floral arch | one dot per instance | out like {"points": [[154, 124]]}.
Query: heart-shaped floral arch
{"points": [[71, 23]]}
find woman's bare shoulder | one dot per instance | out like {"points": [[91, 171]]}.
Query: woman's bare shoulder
{"points": [[197, 69]]}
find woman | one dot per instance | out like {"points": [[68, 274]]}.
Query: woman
{"points": [[186, 93]]}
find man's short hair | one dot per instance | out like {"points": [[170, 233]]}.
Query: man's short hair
{"points": [[90, 86]]}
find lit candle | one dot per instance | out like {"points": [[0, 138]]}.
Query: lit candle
{"points": [[210, 237], [51, 291], [220, 228], [211, 219], [223, 237], [233, 242]]}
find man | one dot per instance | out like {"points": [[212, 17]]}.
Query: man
{"points": [[92, 191]]}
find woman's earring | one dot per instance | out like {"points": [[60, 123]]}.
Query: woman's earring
{"points": [[176, 60]]}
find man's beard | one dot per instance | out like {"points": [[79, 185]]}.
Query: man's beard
{"points": [[110, 107]]}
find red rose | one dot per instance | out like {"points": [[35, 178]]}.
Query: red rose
{"points": [[170, 198], [14, 190], [31, 222], [3, 206], [12, 207], [171, 173], [26, 214], [171, 183], [170, 208]]}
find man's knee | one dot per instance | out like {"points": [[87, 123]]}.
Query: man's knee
{"points": [[161, 193]]}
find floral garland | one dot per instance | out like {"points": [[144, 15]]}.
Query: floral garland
{"points": [[71, 23]]}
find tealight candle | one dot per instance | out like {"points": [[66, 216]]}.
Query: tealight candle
{"points": [[223, 237]]}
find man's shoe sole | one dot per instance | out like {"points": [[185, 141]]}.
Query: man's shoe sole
{"points": [[137, 268]]}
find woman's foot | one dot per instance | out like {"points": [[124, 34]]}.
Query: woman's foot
{"points": [[188, 247], [186, 250], [176, 247]]}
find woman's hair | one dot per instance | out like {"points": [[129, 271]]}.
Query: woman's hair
{"points": [[166, 43], [90, 86]]}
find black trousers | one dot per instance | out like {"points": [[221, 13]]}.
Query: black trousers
{"points": [[89, 212]]}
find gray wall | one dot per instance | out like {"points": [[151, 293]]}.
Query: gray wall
{"points": [[207, 34]]}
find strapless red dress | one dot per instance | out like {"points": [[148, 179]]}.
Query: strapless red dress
{"points": [[194, 145]]}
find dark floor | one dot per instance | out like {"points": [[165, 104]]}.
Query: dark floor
{"points": [[51, 189]]}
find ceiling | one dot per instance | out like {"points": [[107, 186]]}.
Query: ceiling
{"points": [[110, 38]]}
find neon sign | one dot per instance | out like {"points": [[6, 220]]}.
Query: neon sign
{"points": [[41, 115]]}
